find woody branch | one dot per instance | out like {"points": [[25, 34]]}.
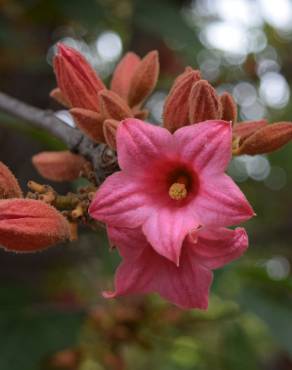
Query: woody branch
{"points": [[102, 158]]}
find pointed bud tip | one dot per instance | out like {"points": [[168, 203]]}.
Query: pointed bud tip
{"points": [[9, 186]]}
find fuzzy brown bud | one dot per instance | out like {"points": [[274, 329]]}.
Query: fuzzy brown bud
{"points": [[204, 103], [144, 79], [9, 187], [28, 225], [59, 166], [176, 107], [123, 74], [267, 139], [229, 108], [76, 78], [244, 129]]}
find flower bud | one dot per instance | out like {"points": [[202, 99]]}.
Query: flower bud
{"points": [[123, 74], [110, 127], [244, 129], [267, 139], [113, 106], [89, 122], [59, 166], [144, 79], [229, 108], [176, 107], [204, 103], [28, 225], [9, 187], [59, 97], [76, 78]]}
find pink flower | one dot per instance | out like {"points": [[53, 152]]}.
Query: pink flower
{"points": [[187, 285], [170, 184]]}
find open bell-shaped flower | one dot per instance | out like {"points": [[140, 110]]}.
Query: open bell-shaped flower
{"points": [[170, 184]]}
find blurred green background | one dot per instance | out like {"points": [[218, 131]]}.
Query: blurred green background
{"points": [[52, 315]]}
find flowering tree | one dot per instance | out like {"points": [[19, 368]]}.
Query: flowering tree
{"points": [[161, 192]]}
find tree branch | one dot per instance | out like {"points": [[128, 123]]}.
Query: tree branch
{"points": [[102, 157]]}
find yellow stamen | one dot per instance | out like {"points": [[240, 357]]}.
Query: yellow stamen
{"points": [[177, 191]]}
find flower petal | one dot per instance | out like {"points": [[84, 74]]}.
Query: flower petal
{"points": [[221, 203], [119, 201], [207, 145], [217, 247], [166, 230], [187, 286], [140, 143]]}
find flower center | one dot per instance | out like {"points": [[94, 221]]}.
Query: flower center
{"points": [[177, 191]]}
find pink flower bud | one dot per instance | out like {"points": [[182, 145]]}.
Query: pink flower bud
{"points": [[76, 78], [59, 166], [28, 225], [144, 79], [176, 107], [123, 74], [9, 187], [89, 122]]}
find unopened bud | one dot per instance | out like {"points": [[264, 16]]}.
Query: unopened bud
{"points": [[267, 139], [59, 166], [204, 103], [110, 127], [9, 187], [229, 108], [144, 79], [28, 225], [76, 78], [176, 107], [113, 106], [123, 74], [243, 130], [89, 122]]}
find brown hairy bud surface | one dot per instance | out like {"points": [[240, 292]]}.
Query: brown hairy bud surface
{"points": [[9, 187], [59, 166], [204, 103], [28, 225]]}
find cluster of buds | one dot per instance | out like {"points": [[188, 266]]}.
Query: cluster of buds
{"points": [[97, 110], [172, 198], [43, 217], [192, 100], [27, 225]]}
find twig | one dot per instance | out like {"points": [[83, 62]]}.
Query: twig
{"points": [[102, 158]]}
